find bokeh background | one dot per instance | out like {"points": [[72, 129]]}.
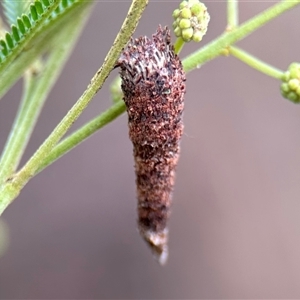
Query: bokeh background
{"points": [[235, 225]]}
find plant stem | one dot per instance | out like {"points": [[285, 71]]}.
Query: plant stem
{"points": [[13, 187], [37, 90], [214, 48], [12, 152], [232, 14], [83, 133], [115, 90], [30, 109], [255, 62], [179, 43]]}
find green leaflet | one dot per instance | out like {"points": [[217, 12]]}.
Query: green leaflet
{"points": [[35, 31], [26, 25], [34, 22]]}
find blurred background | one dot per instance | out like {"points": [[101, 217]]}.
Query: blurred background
{"points": [[235, 224]]}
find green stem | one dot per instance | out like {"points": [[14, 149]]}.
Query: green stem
{"points": [[115, 90], [255, 62], [232, 14], [36, 93], [179, 43], [64, 41], [83, 133], [8, 193], [13, 147], [129, 25], [214, 48]]}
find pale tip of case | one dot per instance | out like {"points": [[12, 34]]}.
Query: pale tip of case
{"points": [[158, 242], [163, 256]]}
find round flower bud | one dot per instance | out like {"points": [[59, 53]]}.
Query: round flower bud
{"points": [[294, 83], [186, 13], [285, 87], [196, 9], [187, 34], [177, 31], [197, 37], [176, 13], [293, 97], [295, 71], [183, 4], [191, 19], [290, 86], [184, 23]]}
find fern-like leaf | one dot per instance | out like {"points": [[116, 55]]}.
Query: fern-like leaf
{"points": [[25, 29], [14, 8], [35, 33]]}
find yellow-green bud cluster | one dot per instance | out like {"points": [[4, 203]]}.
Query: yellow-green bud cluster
{"points": [[290, 87], [190, 20]]}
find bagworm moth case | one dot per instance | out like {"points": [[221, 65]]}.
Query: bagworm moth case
{"points": [[153, 83]]}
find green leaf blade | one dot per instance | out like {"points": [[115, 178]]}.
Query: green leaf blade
{"points": [[21, 26]]}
